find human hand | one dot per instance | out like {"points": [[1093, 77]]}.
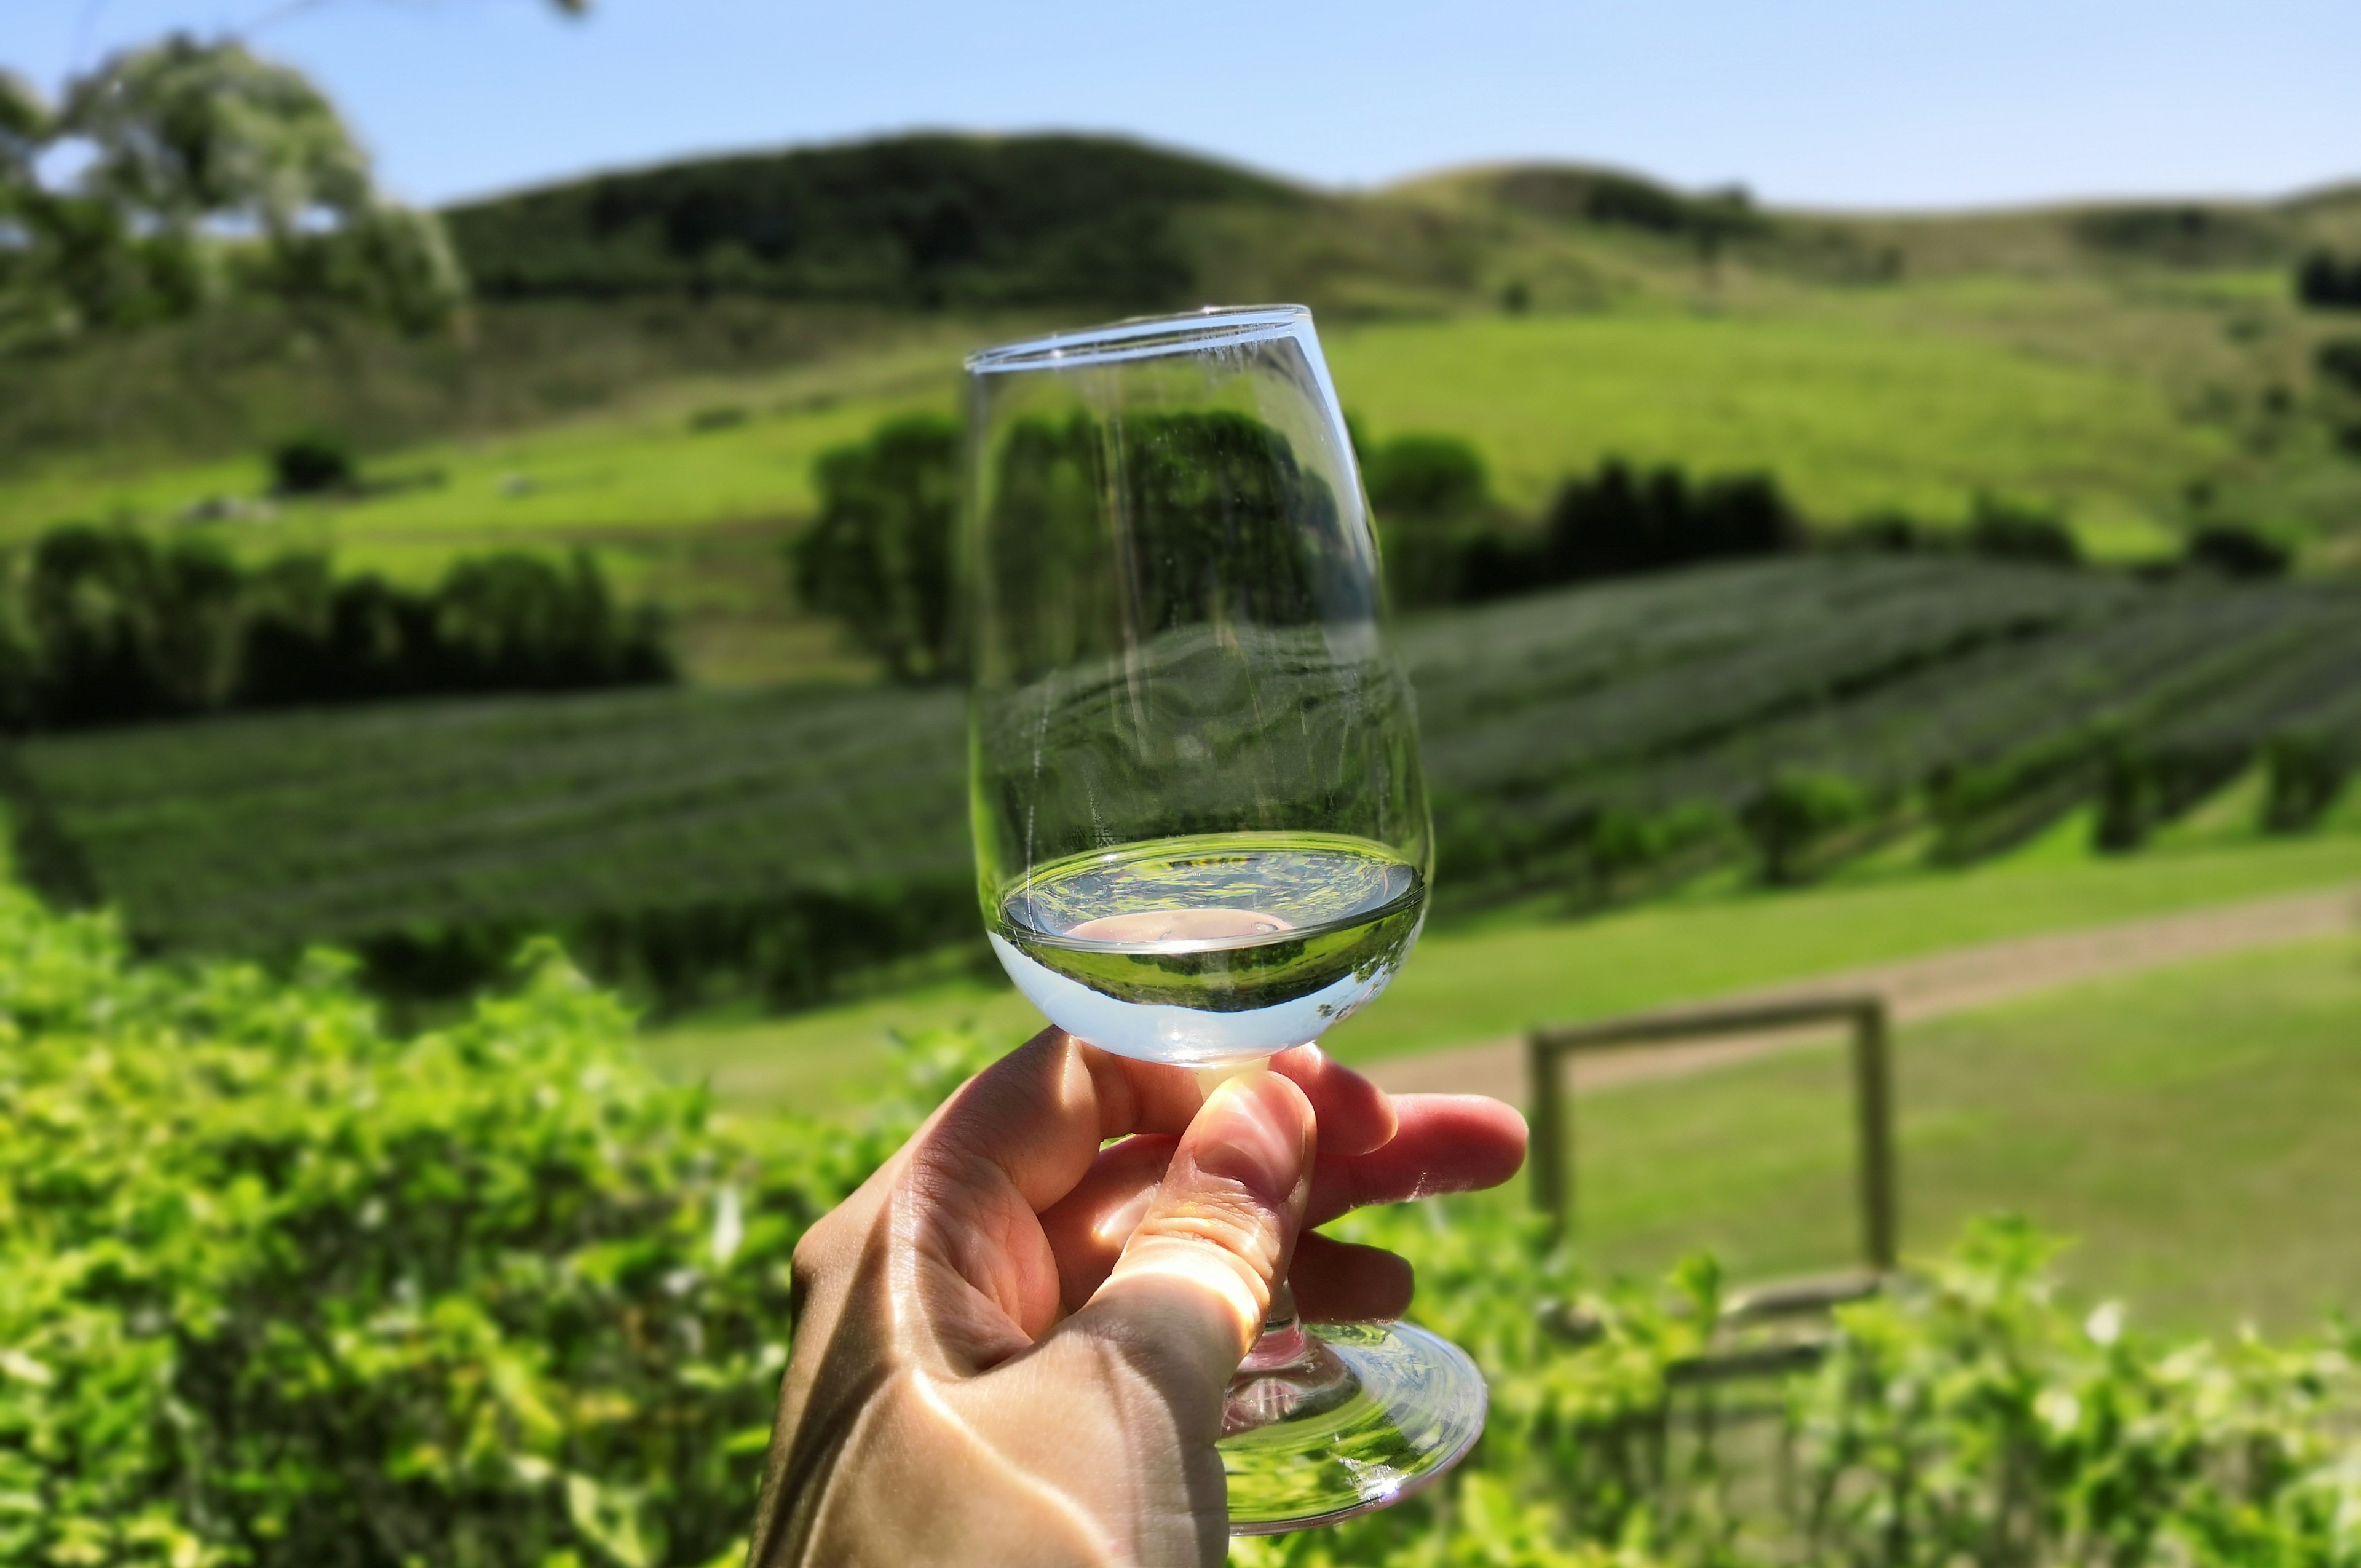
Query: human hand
{"points": [[1011, 1344]]}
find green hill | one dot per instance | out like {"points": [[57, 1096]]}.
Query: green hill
{"points": [[921, 221], [657, 355]]}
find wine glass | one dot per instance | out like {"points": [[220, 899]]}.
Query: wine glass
{"points": [[1201, 830]]}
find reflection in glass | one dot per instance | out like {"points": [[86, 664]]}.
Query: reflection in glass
{"points": [[1201, 830]]}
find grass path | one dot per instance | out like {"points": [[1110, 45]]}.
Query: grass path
{"points": [[1928, 987]]}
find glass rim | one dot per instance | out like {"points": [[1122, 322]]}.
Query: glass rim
{"points": [[1142, 337]]}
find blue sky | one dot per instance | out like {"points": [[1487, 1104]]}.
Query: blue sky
{"points": [[1837, 102]]}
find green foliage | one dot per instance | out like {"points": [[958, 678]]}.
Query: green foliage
{"points": [[2008, 530], [2304, 773], [692, 844], [1595, 743], [1206, 492], [183, 137], [2328, 282], [1607, 197], [312, 462], [1792, 818], [105, 626], [1430, 493], [878, 557], [1967, 1415], [1620, 521], [2339, 362], [1445, 544], [285, 1289], [2238, 552], [182, 131], [2182, 234], [923, 221]]}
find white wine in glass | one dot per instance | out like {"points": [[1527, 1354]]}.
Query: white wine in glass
{"points": [[1201, 830]]}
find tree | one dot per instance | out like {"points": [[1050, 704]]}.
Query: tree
{"points": [[2237, 551], [1428, 492], [2013, 531], [26, 125], [183, 131], [1794, 816], [879, 556], [195, 147]]}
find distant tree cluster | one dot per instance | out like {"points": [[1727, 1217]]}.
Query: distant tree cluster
{"points": [[922, 221], [2001, 528], [103, 626], [1432, 499], [2339, 362], [201, 170], [1617, 521], [1241, 529], [1605, 196], [2328, 282], [1447, 540]]}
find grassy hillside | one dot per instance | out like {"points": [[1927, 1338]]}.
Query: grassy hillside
{"points": [[650, 375], [675, 835]]}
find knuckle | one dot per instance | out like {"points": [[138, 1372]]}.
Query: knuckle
{"points": [[1227, 1216]]}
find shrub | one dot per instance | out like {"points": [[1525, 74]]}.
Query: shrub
{"points": [[312, 464], [2131, 800], [1794, 816], [2327, 282], [2304, 773], [2235, 551], [1429, 492], [1620, 521], [278, 1288], [283, 1289], [879, 556], [1884, 533], [1967, 1415], [2339, 360], [2013, 531]]}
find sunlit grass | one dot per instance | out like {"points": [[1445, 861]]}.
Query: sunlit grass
{"points": [[2192, 1127], [1495, 979]]}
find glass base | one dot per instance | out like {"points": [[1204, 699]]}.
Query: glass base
{"points": [[1321, 1424]]}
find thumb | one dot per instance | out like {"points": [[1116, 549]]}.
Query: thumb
{"points": [[1195, 1278]]}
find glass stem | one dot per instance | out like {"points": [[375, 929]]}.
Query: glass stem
{"points": [[1281, 1344]]}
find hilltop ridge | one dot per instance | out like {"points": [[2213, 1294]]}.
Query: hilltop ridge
{"points": [[940, 221]]}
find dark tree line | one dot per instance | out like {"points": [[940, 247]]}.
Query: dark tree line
{"points": [[1447, 542], [923, 221], [105, 626], [2328, 282]]}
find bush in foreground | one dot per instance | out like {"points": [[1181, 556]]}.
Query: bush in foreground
{"points": [[278, 1288]]}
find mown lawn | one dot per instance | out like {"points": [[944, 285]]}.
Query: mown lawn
{"points": [[1476, 984], [2191, 1127]]}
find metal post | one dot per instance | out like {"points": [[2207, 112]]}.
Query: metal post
{"points": [[1546, 1147], [1873, 1097]]}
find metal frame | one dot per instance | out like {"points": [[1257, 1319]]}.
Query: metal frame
{"points": [[1552, 1123]]}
